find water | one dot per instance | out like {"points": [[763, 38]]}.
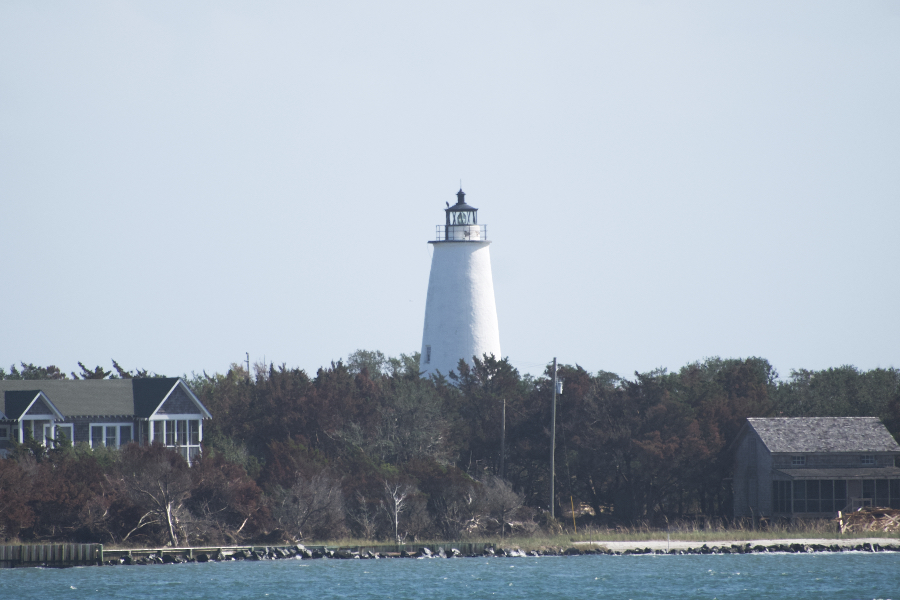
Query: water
{"points": [[824, 575]]}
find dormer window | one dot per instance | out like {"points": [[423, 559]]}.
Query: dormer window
{"points": [[867, 459], [798, 461]]}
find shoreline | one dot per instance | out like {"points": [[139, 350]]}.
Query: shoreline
{"points": [[54, 556], [654, 545]]}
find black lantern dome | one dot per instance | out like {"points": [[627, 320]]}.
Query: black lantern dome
{"points": [[461, 213]]}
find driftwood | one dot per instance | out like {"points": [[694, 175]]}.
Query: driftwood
{"points": [[870, 519]]}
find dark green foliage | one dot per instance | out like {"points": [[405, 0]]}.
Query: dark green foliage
{"points": [[370, 448], [30, 371], [97, 373]]}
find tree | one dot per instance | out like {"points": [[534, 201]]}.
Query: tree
{"points": [[15, 496], [395, 503], [226, 499], [30, 371], [312, 508], [500, 501], [97, 373], [158, 480]]}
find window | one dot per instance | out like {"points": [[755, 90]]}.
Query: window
{"points": [[427, 355], [4, 433], [112, 435], [882, 492], [840, 494], [781, 501], [183, 434], [867, 459], [882, 498], [814, 496], [798, 461], [67, 430], [826, 489], [799, 496]]}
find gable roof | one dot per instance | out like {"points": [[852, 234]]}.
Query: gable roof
{"points": [[16, 404], [824, 434], [96, 397]]}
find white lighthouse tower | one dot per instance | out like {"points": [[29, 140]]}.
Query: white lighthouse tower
{"points": [[460, 312]]}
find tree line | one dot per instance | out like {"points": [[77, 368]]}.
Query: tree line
{"points": [[368, 448]]}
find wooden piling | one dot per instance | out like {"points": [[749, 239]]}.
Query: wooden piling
{"points": [[50, 555]]}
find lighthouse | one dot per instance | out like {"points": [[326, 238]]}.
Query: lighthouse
{"points": [[460, 312]]}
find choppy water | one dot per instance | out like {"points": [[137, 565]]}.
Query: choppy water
{"points": [[846, 575]]}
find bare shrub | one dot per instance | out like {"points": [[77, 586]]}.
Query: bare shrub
{"points": [[364, 517], [312, 508], [397, 500], [158, 481], [499, 501]]}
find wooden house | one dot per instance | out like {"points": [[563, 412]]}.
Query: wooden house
{"points": [[814, 467], [103, 412]]}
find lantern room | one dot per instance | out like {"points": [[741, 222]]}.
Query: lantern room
{"points": [[461, 223]]}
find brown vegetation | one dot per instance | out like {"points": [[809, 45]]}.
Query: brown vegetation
{"points": [[366, 448]]}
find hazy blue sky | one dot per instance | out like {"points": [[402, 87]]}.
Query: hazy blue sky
{"points": [[184, 182]]}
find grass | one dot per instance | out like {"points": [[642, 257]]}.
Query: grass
{"points": [[701, 532]]}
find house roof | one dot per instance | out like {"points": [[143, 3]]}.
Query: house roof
{"points": [[845, 473], [824, 434], [93, 397], [17, 402]]}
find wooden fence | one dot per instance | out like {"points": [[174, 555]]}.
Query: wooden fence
{"points": [[50, 555]]}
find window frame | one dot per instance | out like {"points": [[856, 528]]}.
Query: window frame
{"points": [[167, 430], [70, 433], [104, 437]]}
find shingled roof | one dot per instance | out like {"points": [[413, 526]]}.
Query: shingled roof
{"points": [[93, 397], [824, 434]]}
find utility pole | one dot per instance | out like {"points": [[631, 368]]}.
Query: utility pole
{"points": [[503, 443], [553, 446]]}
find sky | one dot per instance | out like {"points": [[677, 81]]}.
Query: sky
{"points": [[185, 183]]}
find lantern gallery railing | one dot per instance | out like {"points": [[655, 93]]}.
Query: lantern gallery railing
{"points": [[461, 233]]}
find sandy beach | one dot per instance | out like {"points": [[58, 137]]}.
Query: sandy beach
{"points": [[684, 545]]}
